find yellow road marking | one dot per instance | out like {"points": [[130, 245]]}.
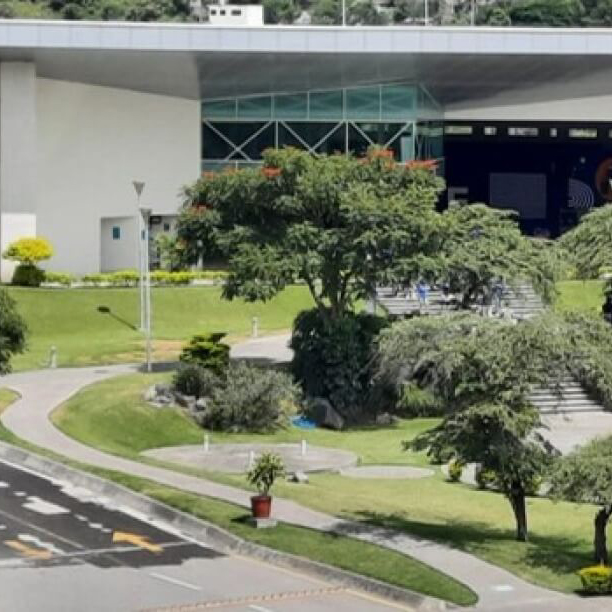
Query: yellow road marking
{"points": [[136, 540], [28, 551]]}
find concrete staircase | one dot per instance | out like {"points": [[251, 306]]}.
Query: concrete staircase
{"points": [[522, 301], [400, 306], [571, 399]]}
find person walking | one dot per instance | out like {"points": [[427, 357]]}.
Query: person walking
{"points": [[423, 295], [497, 291]]}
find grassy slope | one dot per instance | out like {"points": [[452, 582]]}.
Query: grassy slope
{"points": [[580, 295], [355, 556], [475, 521], [69, 320]]}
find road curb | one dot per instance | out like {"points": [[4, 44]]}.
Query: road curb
{"points": [[215, 537]]}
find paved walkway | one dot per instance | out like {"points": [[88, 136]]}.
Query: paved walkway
{"points": [[497, 589]]}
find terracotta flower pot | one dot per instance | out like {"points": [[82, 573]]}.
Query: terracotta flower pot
{"points": [[261, 506]]}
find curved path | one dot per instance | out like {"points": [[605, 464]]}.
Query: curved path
{"points": [[42, 391]]}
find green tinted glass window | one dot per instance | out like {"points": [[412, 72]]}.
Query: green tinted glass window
{"points": [[325, 105], [363, 103], [255, 108], [291, 106], [398, 101], [219, 109]]}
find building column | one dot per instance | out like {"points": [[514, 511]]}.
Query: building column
{"points": [[17, 156]]}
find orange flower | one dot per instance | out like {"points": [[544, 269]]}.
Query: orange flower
{"points": [[271, 172], [426, 164]]}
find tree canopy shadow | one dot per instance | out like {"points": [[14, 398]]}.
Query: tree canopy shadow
{"points": [[560, 555]]}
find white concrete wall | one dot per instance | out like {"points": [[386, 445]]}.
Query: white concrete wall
{"points": [[122, 253], [92, 143], [17, 156], [12, 227]]}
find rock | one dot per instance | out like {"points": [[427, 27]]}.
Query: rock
{"points": [[201, 403], [385, 419], [299, 477], [325, 414], [186, 401]]}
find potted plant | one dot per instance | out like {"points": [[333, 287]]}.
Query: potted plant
{"points": [[264, 472]]}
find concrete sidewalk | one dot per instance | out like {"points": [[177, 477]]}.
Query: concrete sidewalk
{"points": [[42, 391]]}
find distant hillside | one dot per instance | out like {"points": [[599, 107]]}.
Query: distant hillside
{"points": [[538, 13]]}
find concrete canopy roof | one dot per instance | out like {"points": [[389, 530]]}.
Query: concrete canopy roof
{"points": [[457, 65]]}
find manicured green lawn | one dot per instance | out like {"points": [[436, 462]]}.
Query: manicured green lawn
{"points": [[459, 515], [346, 553], [580, 295], [7, 397], [71, 321]]}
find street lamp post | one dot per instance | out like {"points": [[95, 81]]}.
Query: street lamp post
{"points": [[144, 271], [145, 213], [138, 187]]}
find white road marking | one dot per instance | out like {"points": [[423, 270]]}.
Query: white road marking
{"points": [[80, 517], [502, 588], [259, 608], [171, 580], [20, 493], [30, 539], [4, 485], [36, 504], [2, 527], [95, 525]]}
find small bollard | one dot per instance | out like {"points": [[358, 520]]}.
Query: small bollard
{"points": [[251, 460], [254, 327], [53, 357], [303, 449], [206, 443]]}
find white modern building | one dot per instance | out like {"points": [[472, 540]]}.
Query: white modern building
{"points": [[521, 118]]}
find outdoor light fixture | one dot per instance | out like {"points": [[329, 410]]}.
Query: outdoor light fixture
{"points": [[145, 271]]}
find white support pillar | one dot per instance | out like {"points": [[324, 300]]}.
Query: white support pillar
{"points": [[18, 137]]}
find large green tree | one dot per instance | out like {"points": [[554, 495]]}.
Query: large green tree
{"points": [[483, 244], [12, 331], [338, 224], [589, 244], [586, 476], [483, 371]]}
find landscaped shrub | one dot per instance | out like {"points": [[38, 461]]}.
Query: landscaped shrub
{"points": [[28, 275], [59, 277], [484, 478], [251, 400], [29, 251], [455, 470], [96, 279], [12, 331], [207, 351], [417, 402], [124, 278], [596, 579], [194, 380], [332, 358]]}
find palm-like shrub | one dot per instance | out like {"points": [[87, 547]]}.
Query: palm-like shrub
{"points": [[266, 470]]}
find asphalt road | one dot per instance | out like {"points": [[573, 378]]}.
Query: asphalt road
{"points": [[63, 549]]}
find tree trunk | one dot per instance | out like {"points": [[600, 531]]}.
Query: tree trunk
{"points": [[517, 500], [599, 543]]}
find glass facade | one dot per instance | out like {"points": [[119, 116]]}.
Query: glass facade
{"points": [[401, 117]]}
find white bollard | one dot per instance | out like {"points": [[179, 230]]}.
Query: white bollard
{"points": [[206, 443], [303, 448], [251, 460], [53, 357], [254, 327]]}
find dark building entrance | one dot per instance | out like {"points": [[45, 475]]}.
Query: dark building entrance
{"points": [[550, 173]]}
